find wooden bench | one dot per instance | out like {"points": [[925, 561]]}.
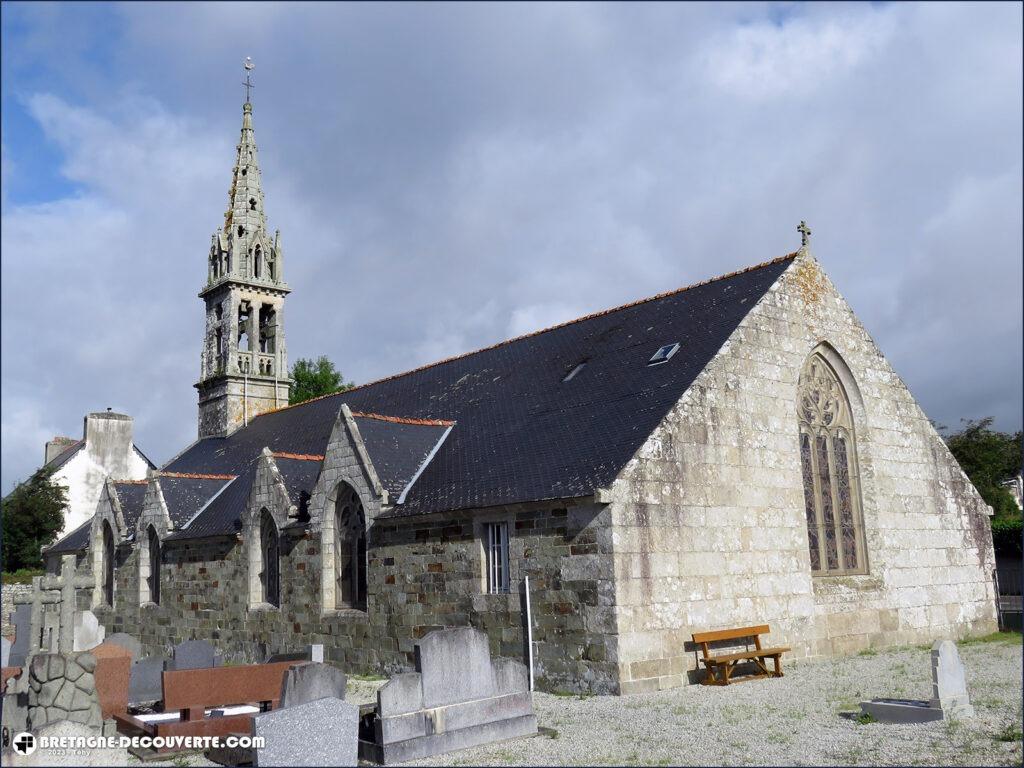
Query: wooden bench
{"points": [[725, 663]]}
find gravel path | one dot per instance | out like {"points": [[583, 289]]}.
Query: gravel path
{"points": [[796, 720]]}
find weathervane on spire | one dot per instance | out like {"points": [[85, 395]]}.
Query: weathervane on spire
{"points": [[249, 67], [805, 235]]}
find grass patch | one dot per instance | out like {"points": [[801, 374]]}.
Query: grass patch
{"points": [[1009, 637], [20, 576], [868, 652], [368, 678], [1011, 732], [865, 718]]}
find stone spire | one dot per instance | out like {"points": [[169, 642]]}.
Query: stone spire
{"points": [[244, 370]]}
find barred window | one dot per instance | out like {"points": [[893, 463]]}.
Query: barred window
{"points": [[496, 557], [828, 458]]}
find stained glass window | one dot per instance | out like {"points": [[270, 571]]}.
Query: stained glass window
{"points": [[828, 459]]}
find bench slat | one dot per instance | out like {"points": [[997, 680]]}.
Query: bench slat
{"points": [[764, 653], [730, 634]]}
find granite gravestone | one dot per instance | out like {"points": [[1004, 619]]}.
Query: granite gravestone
{"points": [[88, 631], [949, 685], [949, 693], [324, 732], [22, 621], [458, 698], [126, 641], [192, 654], [311, 681], [5, 651], [145, 681]]}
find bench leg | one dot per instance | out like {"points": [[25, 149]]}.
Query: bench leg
{"points": [[778, 666]]}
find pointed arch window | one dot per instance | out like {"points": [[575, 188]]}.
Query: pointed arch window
{"points": [[270, 575], [108, 564], [152, 572], [831, 481], [349, 550]]}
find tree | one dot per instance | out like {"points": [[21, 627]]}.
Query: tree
{"points": [[33, 515], [314, 378], [989, 458]]}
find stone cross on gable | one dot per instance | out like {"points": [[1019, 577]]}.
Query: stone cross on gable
{"points": [[805, 234], [51, 590]]}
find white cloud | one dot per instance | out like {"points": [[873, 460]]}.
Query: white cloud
{"points": [[764, 60]]}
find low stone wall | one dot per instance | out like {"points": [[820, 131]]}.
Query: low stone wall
{"points": [[8, 592]]}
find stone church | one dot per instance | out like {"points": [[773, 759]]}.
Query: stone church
{"points": [[731, 453]]}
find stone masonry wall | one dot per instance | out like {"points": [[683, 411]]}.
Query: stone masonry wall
{"points": [[709, 526], [423, 574]]}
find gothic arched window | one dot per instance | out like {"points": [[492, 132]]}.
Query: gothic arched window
{"points": [[153, 579], [108, 564], [270, 575], [349, 550], [828, 458]]}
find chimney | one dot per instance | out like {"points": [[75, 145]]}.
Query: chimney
{"points": [[108, 439], [57, 446]]}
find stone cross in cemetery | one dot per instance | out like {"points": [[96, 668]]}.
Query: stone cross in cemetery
{"points": [[52, 590]]}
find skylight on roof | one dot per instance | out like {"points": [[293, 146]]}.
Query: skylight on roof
{"points": [[569, 376], [664, 354]]}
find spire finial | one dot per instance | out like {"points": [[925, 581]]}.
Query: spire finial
{"points": [[805, 235], [249, 67]]}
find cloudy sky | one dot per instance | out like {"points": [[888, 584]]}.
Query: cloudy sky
{"points": [[446, 176]]}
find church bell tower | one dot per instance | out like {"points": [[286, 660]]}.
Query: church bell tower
{"points": [[244, 359]]}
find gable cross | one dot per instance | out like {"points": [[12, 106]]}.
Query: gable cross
{"points": [[805, 234]]}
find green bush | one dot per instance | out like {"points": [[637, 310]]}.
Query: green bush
{"points": [[20, 576], [1006, 537]]}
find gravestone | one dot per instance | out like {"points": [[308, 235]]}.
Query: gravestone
{"points": [[72, 755], [459, 667], [145, 681], [113, 670], [193, 654], [312, 653], [311, 681], [5, 651], [949, 693], [949, 685], [133, 646], [22, 621], [322, 732], [88, 631], [458, 697]]}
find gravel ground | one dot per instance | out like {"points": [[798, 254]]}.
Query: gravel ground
{"points": [[795, 720]]}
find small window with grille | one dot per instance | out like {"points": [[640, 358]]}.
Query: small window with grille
{"points": [[496, 557]]}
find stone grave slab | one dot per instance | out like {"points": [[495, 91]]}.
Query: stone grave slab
{"points": [[311, 681], [318, 733], [88, 632], [113, 671], [145, 680], [949, 693], [21, 619], [488, 700], [192, 654], [5, 651], [128, 642]]}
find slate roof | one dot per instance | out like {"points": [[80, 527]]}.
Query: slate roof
{"points": [[65, 456], [73, 542], [131, 496], [520, 432], [398, 449]]}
